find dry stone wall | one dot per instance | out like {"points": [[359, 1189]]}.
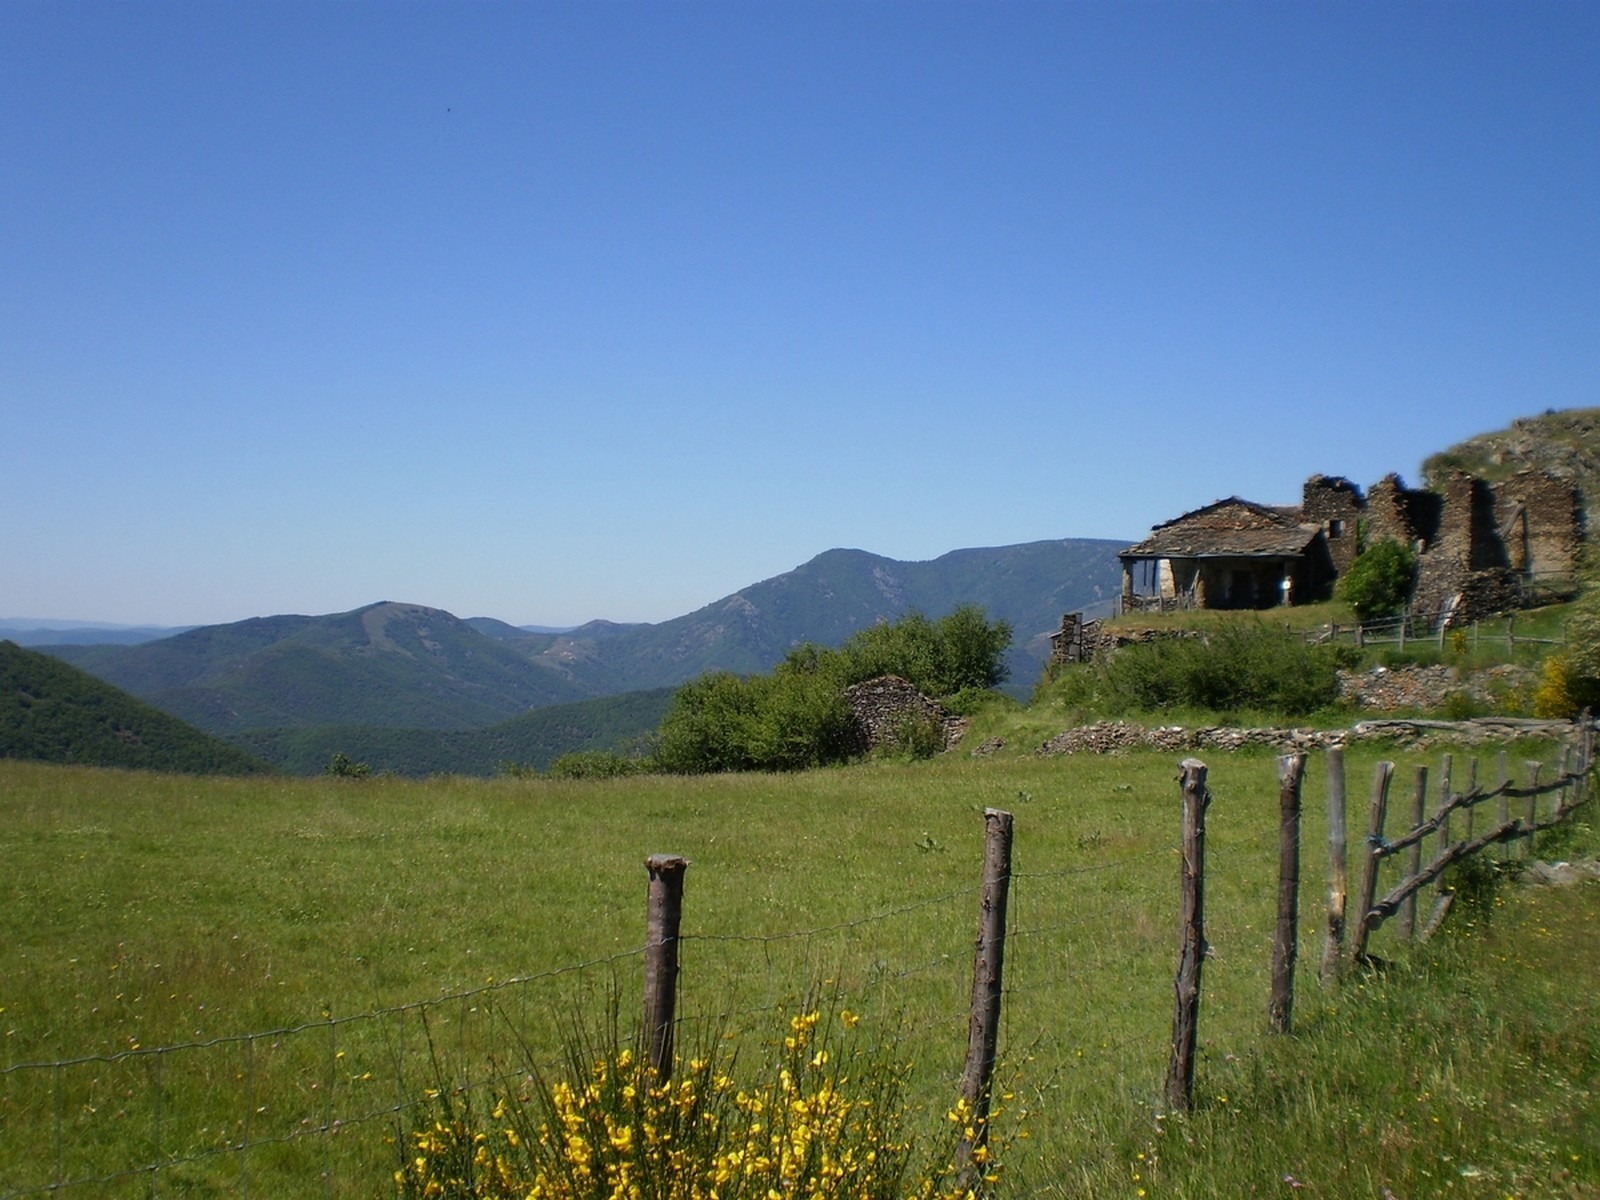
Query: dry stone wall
{"points": [[884, 706]]}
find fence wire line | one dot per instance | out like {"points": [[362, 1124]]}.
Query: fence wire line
{"points": [[517, 981], [238, 1039], [933, 1016], [1097, 868]]}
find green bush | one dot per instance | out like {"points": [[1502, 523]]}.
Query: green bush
{"points": [[918, 736], [786, 721], [797, 716], [1378, 583], [1244, 665], [594, 764], [343, 766], [959, 651]]}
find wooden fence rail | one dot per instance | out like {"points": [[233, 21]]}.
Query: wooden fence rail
{"points": [[1568, 789]]}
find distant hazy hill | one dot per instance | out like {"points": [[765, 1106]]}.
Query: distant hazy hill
{"points": [[405, 666], [53, 712], [1565, 443], [387, 664], [839, 592], [83, 633], [535, 739]]}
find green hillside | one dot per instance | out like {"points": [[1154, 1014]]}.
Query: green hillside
{"points": [[53, 712], [535, 739], [398, 665], [1564, 443]]}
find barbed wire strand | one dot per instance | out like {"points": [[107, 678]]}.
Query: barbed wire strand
{"points": [[879, 981]]}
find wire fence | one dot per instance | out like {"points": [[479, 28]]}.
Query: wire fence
{"points": [[322, 1108]]}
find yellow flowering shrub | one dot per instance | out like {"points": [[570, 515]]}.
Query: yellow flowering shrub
{"points": [[824, 1122]]}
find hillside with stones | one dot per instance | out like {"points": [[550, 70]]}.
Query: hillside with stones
{"points": [[1565, 444]]}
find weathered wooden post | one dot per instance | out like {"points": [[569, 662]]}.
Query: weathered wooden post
{"points": [[988, 968], [1192, 947], [1532, 767], [1503, 801], [1285, 943], [664, 912], [1338, 867], [1444, 826], [1374, 855], [1469, 817], [1407, 915]]}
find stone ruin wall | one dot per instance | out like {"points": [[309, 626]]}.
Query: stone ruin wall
{"points": [[1477, 542], [1540, 519], [882, 706], [1408, 515], [1335, 504]]}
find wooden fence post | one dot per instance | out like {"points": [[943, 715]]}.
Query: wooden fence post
{"points": [[1338, 867], [1445, 837], [1503, 802], [988, 967], [1192, 951], [1285, 945], [1532, 767], [664, 911], [1419, 811], [1374, 855], [1469, 818]]}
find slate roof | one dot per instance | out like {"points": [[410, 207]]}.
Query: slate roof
{"points": [[1231, 528]]}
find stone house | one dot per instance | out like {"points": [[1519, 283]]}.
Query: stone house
{"points": [[1482, 547], [1230, 554]]}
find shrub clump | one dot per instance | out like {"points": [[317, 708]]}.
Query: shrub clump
{"points": [[1244, 665], [825, 1120], [797, 716], [1379, 581], [594, 764]]}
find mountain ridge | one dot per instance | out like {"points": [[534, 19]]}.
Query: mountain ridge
{"points": [[393, 664]]}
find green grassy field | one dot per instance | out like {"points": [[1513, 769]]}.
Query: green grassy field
{"points": [[239, 979]]}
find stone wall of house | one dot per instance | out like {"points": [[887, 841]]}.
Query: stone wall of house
{"points": [[1407, 515], [1540, 522], [1337, 505], [1468, 529]]}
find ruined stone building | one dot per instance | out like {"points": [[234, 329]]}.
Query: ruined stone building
{"points": [[1482, 547]]}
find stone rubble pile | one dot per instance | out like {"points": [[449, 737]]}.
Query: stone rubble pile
{"points": [[1113, 737], [1395, 689]]}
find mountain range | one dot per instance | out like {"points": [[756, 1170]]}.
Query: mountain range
{"points": [[394, 665]]}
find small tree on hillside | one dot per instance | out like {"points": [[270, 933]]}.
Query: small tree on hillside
{"points": [[1378, 583]]}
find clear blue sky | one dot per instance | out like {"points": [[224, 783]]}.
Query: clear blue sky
{"points": [[555, 311]]}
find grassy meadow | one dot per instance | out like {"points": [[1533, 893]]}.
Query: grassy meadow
{"points": [[310, 957]]}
